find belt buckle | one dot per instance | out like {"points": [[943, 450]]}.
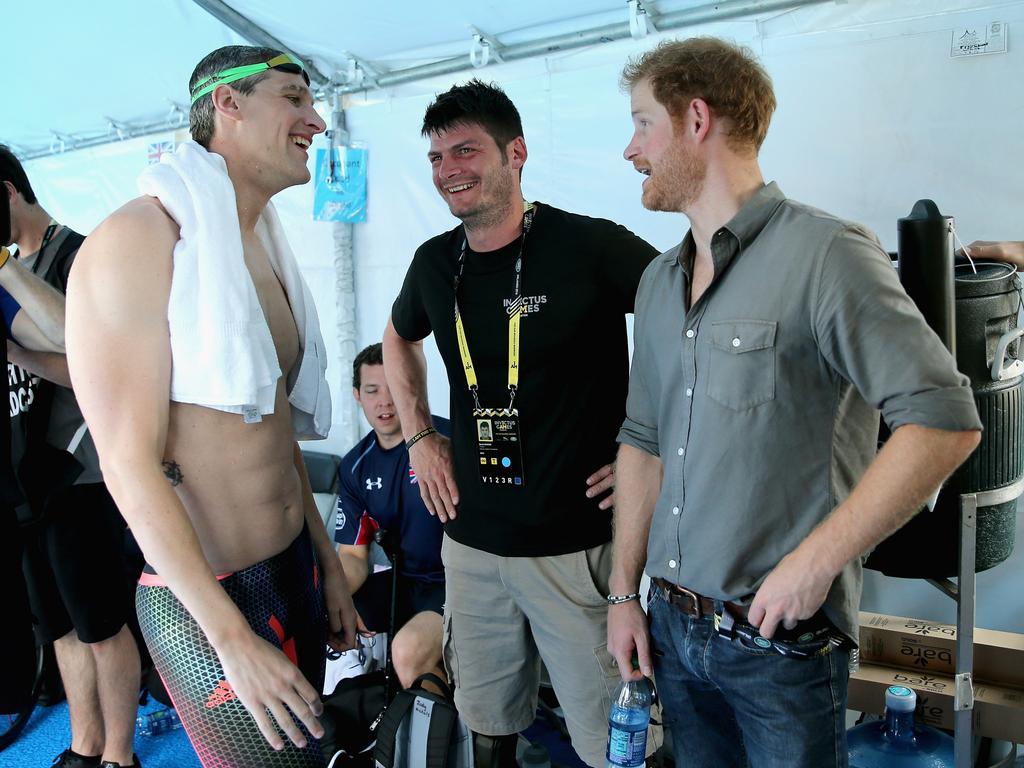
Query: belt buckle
{"points": [[698, 612]]}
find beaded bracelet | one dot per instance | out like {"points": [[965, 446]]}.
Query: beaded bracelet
{"points": [[419, 436]]}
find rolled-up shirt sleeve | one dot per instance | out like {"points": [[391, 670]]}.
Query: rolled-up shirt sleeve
{"points": [[873, 335], [640, 427]]}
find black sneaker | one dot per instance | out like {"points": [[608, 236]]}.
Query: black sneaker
{"points": [[136, 763], [70, 759]]}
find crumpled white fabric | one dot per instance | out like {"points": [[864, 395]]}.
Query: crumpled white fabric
{"points": [[222, 352]]}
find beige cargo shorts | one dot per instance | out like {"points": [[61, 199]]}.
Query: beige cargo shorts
{"points": [[504, 615]]}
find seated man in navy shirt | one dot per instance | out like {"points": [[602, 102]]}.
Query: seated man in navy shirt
{"points": [[378, 490]]}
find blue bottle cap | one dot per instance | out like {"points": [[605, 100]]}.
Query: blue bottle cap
{"points": [[900, 698]]}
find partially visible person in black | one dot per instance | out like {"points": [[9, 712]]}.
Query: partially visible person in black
{"points": [[74, 562], [43, 308]]}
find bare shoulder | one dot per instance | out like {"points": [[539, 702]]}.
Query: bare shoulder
{"points": [[138, 237], [124, 267]]}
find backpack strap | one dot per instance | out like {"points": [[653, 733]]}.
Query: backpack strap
{"points": [[387, 731], [430, 677], [439, 736]]}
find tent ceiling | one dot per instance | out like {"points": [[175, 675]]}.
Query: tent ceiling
{"points": [[91, 70]]}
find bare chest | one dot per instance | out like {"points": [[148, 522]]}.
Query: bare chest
{"points": [[274, 302]]}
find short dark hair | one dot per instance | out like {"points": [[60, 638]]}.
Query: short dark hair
{"points": [[475, 103], [200, 116], [11, 170], [727, 76], [372, 355]]}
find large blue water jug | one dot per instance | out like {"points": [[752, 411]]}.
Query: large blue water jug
{"points": [[896, 742]]}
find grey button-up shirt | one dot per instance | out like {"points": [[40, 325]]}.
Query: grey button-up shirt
{"points": [[762, 398]]}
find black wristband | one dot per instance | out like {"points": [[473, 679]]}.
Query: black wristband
{"points": [[419, 436], [619, 599]]}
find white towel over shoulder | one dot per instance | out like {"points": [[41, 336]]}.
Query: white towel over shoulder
{"points": [[222, 353]]}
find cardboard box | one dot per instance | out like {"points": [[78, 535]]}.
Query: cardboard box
{"points": [[930, 647], [998, 712]]}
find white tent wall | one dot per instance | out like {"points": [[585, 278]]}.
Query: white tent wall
{"points": [[873, 115]]}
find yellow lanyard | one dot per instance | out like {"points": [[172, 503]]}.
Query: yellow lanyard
{"points": [[515, 312]]}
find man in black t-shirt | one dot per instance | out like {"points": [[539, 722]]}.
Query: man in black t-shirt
{"points": [[527, 304], [74, 562]]}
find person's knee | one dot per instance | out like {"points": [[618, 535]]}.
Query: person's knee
{"points": [[120, 645], [414, 652], [408, 657]]}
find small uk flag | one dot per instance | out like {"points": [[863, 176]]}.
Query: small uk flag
{"points": [[158, 149], [412, 477]]}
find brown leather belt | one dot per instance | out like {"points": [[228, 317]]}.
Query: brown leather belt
{"points": [[693, 604]]}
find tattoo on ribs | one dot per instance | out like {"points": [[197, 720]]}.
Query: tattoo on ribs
{"points": [[173, 472]]}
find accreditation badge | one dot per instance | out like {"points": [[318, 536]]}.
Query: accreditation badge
{"points": [[499, 446]]}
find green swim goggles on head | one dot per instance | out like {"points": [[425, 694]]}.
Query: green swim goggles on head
{"points": [[285, 62]]}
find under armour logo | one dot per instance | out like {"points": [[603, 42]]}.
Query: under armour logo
{"points": [[370, 484]]}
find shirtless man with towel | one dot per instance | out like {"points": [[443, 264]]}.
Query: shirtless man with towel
{"points": [[196, 354]]}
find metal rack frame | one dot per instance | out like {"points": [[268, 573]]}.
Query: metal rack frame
{"points": [[963, 591]]}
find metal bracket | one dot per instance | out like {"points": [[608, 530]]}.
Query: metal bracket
{"points": [[123, 130], [178, 112], [483, 48], [64, 139], [359, 72], [640, 23], [963, 696]]}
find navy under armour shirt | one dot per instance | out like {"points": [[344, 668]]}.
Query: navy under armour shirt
{"points": [[378, 489]]}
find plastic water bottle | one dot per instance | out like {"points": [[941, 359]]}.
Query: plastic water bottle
{"points": [[896, 742], [160, 721], [627, 724]]}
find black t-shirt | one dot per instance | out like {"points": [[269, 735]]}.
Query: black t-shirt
{"points": [[579, 280], [22, 388]]}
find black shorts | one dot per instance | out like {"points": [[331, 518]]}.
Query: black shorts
{"points": [[75, 567], [373, 600]]}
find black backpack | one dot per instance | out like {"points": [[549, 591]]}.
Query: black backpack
{"points": [[422, 729]]}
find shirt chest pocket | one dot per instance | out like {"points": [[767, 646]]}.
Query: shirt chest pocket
{"points": [[741, 363]]}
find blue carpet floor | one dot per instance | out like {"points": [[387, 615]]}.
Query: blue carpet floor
{"points": [[48, 733]]}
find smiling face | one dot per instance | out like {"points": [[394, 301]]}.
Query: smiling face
{"points": [[478, 180], [276, 127], [675, 172], [378, 407]]}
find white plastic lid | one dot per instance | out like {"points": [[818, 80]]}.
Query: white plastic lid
{"points": [[900, 699]]}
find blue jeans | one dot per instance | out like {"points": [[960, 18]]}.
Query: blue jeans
{"points": [[730, 704]]}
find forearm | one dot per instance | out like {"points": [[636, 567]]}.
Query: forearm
{"points": [[638, 483], [52, 366], [165, 534], [43, 303], [911, 465], [322, 545], [356, 569], [406, 369]]}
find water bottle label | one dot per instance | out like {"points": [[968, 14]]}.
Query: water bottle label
{"points": [[626, 748]]}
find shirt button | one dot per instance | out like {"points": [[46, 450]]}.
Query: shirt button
{"points": [[675, 510], [689, 333], [681, 451], [736, 341], [689, 392], [671, 563]]}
